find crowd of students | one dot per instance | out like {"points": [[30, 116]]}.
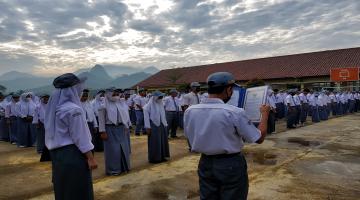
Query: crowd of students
{"points": [[296, 106], [112, 113]]}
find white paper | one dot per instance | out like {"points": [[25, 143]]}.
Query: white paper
{"points": [[254, 98]]}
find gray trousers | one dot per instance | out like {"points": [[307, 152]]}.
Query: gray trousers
{"points": [[172, 119], [223, 177]]}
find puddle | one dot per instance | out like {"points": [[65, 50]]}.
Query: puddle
{"points": [[304, 142], [261, 158]]}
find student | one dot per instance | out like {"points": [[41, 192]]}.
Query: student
{"points": [[39, 117], [97, 105], [89, 112], [68, 138], [193, 97], [114, 123], [315, 108], [304, 106], [291, 110], [172, 109], [219, 137], [333, 103], [156, 126], [270, 101], [4, 129], [298, 107], [26, 131], [12, 117], [139, 102]]}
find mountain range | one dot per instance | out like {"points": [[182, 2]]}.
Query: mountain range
{"points": [[98, 76]]}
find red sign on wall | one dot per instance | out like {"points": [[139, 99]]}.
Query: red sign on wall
{"points": [[344, 74]]}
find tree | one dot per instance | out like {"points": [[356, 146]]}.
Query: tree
{"points": [[255, 83]]}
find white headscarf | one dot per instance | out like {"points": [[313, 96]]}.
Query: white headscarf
{"points": [[115, 108], [27, 108], [58, 98], [98, 104], [155, 108]]}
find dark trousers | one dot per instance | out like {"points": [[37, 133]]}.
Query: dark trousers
{"points": [[271, 122], [139, 122], [172, 119], [71, 175], [223, 177], [304, 112], [291, 117], [298, 112], [95, 138]]}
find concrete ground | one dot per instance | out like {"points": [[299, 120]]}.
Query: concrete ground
{"points": [[319, 161]]}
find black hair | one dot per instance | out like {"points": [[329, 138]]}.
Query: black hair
{"points": [[276, 90], [306, 90], [216, 90], [86, 91]]}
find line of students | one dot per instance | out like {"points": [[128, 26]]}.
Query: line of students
{"points": [[22, 120], [296, 106]]}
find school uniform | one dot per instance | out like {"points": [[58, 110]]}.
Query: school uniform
{"points": [[304, 112], [4, 128], [139, 101], [191, 99], [315, 103], [333, 104], [219, 137], [155, 119], [339, 108], [130, 103], [291, 111], [280, 107], [351, 103], [270, 101], [309, 96], [38, 120], [322, 103], [172, 110], [68, 138], [12, 114], [26, 130], [344, 100], [115, 121], [97, 105], [92, 124], [298, 108]]}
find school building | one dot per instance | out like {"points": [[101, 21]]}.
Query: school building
{"points": [[306, 70]]}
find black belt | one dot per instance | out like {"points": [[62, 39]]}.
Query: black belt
{"points": [[222, 155], [121, 124], [172, 111]]}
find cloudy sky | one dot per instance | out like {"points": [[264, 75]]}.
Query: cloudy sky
{"points": [[48, 37]]}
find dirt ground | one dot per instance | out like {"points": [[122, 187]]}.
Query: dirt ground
{"points": [[319, 161]]}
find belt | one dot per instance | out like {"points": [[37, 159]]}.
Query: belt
{"points": [[172, 111], [221, 155], [121, 124]]}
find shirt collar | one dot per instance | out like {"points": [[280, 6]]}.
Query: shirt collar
{"points": [[213, 101]]}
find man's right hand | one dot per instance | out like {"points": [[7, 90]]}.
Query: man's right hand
{"points": [[264, 109], [92, 163], [103, 136]]}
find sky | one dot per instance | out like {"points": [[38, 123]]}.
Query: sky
{"points": [[47, 37]]}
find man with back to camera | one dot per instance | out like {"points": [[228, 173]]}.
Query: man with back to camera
{"points": [[219, 138]]}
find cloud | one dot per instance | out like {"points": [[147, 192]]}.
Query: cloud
{"points": [[48, 37]]}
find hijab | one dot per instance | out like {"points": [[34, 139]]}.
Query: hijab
{"points": [[155, 108]]}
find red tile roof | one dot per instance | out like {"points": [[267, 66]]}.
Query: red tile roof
{"points": [[289, 66]]}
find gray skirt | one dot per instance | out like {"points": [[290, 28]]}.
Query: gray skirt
{"points": [[158, 144], [117, 150]]}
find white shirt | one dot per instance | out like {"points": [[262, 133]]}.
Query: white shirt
{"points": [[222, 130], [279, 98], [139, 100], [191, 99], [297, 100], [270, 100], [303, 98], [290, 100], [172, 104], [89, 113]]}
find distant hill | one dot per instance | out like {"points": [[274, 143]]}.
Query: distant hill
{"points": [[97, 78], [120, 70], [14, 75], [127, 81]]}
